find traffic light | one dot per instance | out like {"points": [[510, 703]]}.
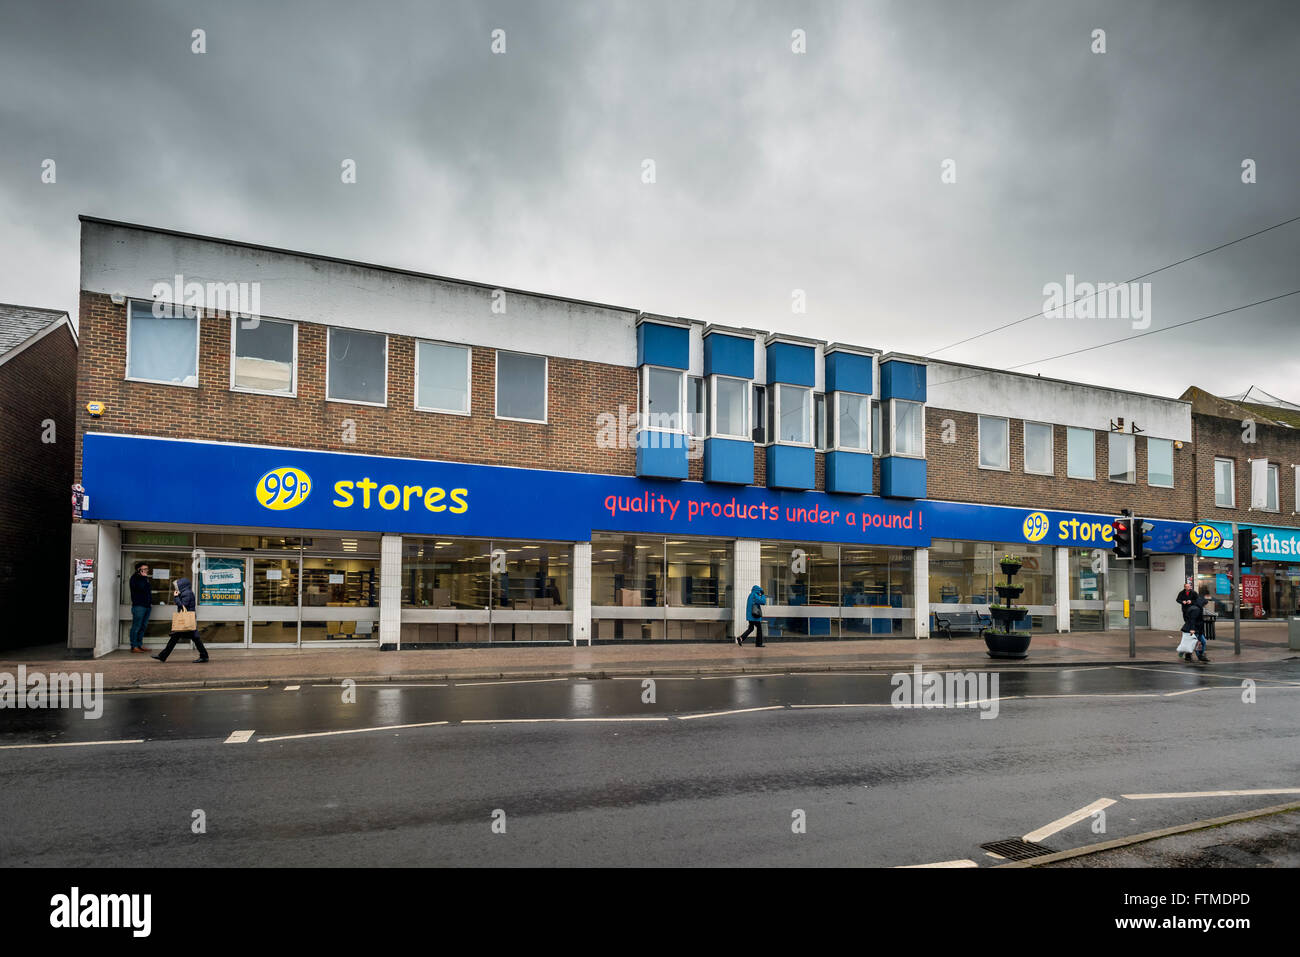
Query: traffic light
{"points": [[1122, 529], [1140, 537], [1245, 547]]}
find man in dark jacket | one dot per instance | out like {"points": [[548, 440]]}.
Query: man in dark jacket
{"points": [[183, 593], [141, 604], [1193, 619], [754, 615]]}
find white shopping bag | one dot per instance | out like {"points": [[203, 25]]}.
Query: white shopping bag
{"points": [[1188, 644]]}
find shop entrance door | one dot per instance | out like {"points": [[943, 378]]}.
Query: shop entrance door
{"points": [[249, 602], [221, 590], [274, 598]]}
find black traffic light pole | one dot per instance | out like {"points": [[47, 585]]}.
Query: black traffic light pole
{"points": [[1132, 584]]}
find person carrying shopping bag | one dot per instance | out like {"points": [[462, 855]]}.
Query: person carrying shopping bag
{"points": [[754, 615], [184, 622], [1193, 640]]}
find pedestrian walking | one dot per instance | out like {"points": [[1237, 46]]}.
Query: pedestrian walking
{"points": [[754, 615], [141, 605], [1193, 606], [183, 594]]}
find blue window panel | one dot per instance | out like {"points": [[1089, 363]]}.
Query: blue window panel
{"points": [[902, 477], [728, 355], [791, 466], [658, 345], [661, 462], [902, 380], [729, 460], [792, 364], [848, 473], [847, 372]]}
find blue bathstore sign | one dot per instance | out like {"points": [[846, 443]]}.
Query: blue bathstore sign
{"points": [[1272, 544], [150, 480]]}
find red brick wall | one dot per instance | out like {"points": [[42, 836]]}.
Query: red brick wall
{"points": [[953, 473], [35, 489], [1223, 438], [578, 392]]}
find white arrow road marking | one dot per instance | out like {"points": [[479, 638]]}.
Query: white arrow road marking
{"points": [[961, 863], [239, 737], [718, 714], [1199, 794], [69, 744], [292, 687], [1073, 817], [322, 734]]}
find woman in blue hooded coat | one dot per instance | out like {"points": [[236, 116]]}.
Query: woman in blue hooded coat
{"points": [[754, 615], [183, 594]]}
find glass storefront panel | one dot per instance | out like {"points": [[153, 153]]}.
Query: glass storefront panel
{"points": [[876, 578], [1117, 586], [339, 582], [275, 582], [230, 540], [274, 632], [699, 573], [1087, 585], [800, 573], [965, 573], [537, 575], [164, 568], [627, 570], [339, 630], [446, 573]]}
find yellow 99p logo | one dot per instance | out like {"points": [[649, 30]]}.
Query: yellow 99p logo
{"points": [[1035, 527], [283, 488]]}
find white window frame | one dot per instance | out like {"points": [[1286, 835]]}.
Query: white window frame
{"points": [[979, 451], [834, 429], [1232, 483], [1051, 446], [329, 360], [198, 340], [711, 397], [1170, 443], [1133, 438], [469, 378], [546, 386], [1081, 478], [893, 429], [774, 390], [234, 334], [644, 403], [1274, 471]]}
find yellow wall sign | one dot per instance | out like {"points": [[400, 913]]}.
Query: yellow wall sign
{"points": [[95, 408], [1206, 537], [1036, 526], [283, 488]]}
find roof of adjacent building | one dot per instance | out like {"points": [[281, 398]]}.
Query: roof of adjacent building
{"points": [[20, 324], [1205, 403]]}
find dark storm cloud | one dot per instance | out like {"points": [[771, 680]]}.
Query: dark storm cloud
{"points": [[775, 171]]}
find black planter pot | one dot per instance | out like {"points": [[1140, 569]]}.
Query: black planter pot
{"points": [[1007, 645], [1009, 592], [1011, 568]]}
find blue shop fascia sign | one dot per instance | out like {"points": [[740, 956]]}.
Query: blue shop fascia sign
{"points": [[1272, 543], [135, 479]]}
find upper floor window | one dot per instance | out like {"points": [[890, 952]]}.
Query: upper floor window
{"points": [[264, 357], [760, 415], [819, 419], [1080, 453], [852, 421], [1224, 483], [881, 438], [696, 407], [442, 375], [1039, 450], [906, 428], [521, 387], [357, 367], [162, 344], [791, 413], [662, 398], [730, 408], [1267, 495], [1160, 463], [994, 441], [1123, 458]]}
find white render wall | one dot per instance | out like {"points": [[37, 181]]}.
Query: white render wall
{"points": [[390, 591], [582, 592], [748, 571], [120, 259], [1015, 396]]}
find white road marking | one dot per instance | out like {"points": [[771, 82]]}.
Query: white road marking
{"points": [[292, 687], [841, 706], [655, 677], [239, 737], [1199, 794], [1175, 694], [1233, 678], [323, 734], [69, 744], [550, 720], [961, 863], [774, 674], [512, 681], [1074, 817], [147, 690], [1099, 694], [718, 714]]}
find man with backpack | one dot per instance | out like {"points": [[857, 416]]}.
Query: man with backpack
{"points": [[754, 615]]}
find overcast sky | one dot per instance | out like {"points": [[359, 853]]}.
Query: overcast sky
{"points": [[774, 170]]}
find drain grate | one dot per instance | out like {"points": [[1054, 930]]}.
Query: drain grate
{"points": [[1017, 849]]}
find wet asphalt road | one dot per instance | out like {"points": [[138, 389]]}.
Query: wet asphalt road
{"points": [[673, 781]]}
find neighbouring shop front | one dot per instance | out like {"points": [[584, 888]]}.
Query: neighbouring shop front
{"points": [[291, 548], [1270, 586]]}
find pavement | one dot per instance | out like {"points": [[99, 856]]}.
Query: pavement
{"points": [[122, 670]]}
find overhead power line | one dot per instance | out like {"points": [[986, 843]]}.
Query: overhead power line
{"points": [[1102, 288]]}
